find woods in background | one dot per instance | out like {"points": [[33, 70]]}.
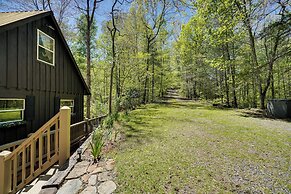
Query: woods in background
{"points": [[237, 52], [232, 52]]}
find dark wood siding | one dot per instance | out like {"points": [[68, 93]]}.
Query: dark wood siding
{"points": [[23, 75], [3, 59]]}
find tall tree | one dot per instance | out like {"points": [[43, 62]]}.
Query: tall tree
{"points": [[88, 10], [112, 31], [279, 29], [153, 18]]}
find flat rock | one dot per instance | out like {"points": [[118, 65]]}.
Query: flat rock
{"points": [[92, 180], [91, 168], [79, 169], [110, 164], [71, 187], [85, 178], [107, 187], [98, 170], [101, 164], [83, 163], [89, 190], [52, 190], [104, 176]]}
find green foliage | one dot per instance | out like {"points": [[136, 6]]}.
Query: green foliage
{"points": [[96, 144], [108, 122], [210, 59], [216, 61]]}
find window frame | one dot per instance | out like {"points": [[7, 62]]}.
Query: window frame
{"points": [[14, 110], [70, 100], [52, 51]]}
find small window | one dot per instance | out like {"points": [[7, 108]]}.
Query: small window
{"points": [[11, 110], [69, 103], [45, 48]]}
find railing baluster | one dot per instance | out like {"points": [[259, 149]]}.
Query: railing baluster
{"points": [[32, 157], [40, 149], [23, 164], [48, 133], [44, 144], [56, 137], [15, 171]]}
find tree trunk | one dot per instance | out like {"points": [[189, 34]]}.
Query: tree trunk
{"points": [[88, 69], [254, 99], [112, 71], [226, 87], [262, 100], [145, 91], [117, 81], [235, 105], [232, 71], [195, 95], [272, 87], [110, 90], [256, 73], [221, 86], [153, 82], [161, 85]]}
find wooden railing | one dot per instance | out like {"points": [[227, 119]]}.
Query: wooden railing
{"points": [[36, 153], [20, 162], [82, 129], [11, 146]]}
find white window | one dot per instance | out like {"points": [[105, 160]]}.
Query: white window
{"points": [[45, 48], [68, 102], [11, 110]]}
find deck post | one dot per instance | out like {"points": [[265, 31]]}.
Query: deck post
{"points": [[5, 173], [64, 137], [86, 126]]}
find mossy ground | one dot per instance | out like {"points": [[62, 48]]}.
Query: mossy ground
{"points": [[191, 147]]}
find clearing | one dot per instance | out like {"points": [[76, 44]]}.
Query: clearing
{"points": [[191, 147]]}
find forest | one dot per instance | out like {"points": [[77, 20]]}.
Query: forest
{"points": [[230, 52]]}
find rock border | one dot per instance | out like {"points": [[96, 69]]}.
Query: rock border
{"points": [[83, 176], [57, 179]]}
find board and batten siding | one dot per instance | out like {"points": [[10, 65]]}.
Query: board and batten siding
{"points": [[22, 75]]}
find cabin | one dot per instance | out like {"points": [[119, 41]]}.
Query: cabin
{"points": [[38, 74]]}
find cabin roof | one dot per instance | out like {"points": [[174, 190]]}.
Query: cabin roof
{"points": [[17, 18], [10, 17]]}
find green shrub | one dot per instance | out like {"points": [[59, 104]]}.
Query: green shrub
{"points": [[115, 116], [96, 144], [108, 122]]}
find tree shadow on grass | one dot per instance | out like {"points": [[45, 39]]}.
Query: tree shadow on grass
{"points": [[139, 129], [177, 104], [254, 114], [224, 108], [137, 135], [259, 114], [175, 98]]}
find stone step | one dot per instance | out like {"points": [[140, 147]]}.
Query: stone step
{"points": [[35, 186]]}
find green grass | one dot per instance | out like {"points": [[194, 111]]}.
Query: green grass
{"points": [[190, 147]]}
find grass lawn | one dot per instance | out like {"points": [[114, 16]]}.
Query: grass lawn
{"points": [[190, 147]]}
